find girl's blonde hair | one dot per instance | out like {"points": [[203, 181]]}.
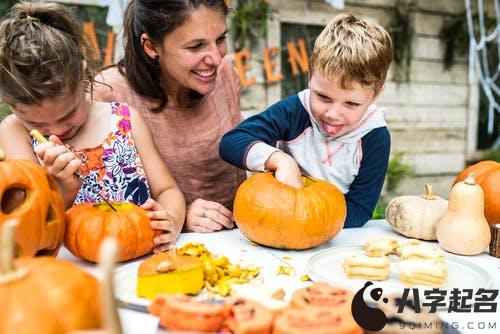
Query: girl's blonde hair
{"points": [[351, 49], [43, 53]]}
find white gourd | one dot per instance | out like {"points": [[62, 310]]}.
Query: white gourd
{"points": [[416, 216]]}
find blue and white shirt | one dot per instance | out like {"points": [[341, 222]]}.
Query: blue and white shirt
{"points": [[355, 162]]}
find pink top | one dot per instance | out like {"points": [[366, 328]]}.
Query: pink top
{"points": [[188, 138]]}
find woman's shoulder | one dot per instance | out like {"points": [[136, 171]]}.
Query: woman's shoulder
{"points": [[110, 84]]}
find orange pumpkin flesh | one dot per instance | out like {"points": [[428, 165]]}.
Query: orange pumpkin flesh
{"points": [[487, 175], [277, 215], [90, 223], [29, 195]]}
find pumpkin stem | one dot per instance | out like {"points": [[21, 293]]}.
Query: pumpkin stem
{"points": [[428, 192], [470, 180], [2, 155], [7, 271], [107, 259]]}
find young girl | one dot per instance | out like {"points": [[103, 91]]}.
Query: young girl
{"points": [[45, 79]]}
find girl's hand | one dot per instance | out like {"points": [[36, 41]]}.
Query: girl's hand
{"points": [[161, 220], [60, 162], [206, 216], [286, 169]]}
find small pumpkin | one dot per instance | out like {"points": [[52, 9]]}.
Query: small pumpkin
{"points": [[487, 175], [463, 229], [29, 194], [416, 216], [274, 214], [43, 295], [90, 223]]}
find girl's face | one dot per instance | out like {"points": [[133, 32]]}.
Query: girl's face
{"points": [[338, 110], [61, 116], [190, 54]]}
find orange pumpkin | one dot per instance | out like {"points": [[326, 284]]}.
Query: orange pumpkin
{"points": [[274, 214], [43, 295], [30, 195], [90, 223], [487, 175]]}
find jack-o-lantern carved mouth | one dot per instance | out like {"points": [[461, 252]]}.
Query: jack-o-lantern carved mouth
{"points": [[12, 199]]}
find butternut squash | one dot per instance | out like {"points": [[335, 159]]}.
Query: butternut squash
{"points": [[463, 229]]}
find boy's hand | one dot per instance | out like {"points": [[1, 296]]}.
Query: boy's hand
{"points": [[285, 169], [161, 220], [60, 162], [206, 216]]}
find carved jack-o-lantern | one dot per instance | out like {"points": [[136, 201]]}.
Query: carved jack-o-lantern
{"points": [[30, 195]]}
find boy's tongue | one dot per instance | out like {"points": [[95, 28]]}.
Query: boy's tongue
{"points": [[332, 129]]}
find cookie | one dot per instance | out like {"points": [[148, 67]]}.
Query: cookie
{"points": [[408, 321], [247, 317], [367, 267], [406, 243], [314, 321], [421, 253], [426, 272], [380, 246], [181, 312], [323, 295]]}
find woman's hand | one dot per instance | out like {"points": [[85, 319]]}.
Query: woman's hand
{"points": [[161, 220], [206, 216]]}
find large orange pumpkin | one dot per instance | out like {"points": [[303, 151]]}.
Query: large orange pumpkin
{"points": [[30, 195], [43, 295], [90, 223], [274, 214], [487, 175]]}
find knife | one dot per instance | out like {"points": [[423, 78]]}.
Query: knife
{"points": [[93, 186]]}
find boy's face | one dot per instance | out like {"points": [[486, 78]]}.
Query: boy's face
{"points": [[338, 110]]}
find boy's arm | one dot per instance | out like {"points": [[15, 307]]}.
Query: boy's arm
{"points": [[163, 187], [365, 191], [251, 143]]}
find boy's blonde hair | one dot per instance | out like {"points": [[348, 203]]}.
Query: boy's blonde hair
{"points": [[351, 49]]}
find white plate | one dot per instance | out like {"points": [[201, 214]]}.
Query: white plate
{"points": [[327, 266], [125, 280]]}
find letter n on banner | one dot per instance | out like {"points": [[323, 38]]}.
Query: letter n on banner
{"points": [[297, 59]]}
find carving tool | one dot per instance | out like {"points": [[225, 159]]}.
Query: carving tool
{"points": [[95, 188]]}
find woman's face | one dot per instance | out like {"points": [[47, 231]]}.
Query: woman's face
{"points": [[190, 54]]}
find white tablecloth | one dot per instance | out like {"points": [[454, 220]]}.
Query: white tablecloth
{"points": [[233, 245]]}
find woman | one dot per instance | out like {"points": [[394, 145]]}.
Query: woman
{"points": [[176, 74]]}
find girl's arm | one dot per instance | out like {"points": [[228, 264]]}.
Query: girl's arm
{"points": [[163, 187], [56, 158]]}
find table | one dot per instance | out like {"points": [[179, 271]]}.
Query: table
{"points": [[238, 249]]}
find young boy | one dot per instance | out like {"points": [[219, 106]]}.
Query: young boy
{"points": [[332, 130]]}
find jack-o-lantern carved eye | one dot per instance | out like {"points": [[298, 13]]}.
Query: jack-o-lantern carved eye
{"points": [[12, 199], [30, 195]]}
